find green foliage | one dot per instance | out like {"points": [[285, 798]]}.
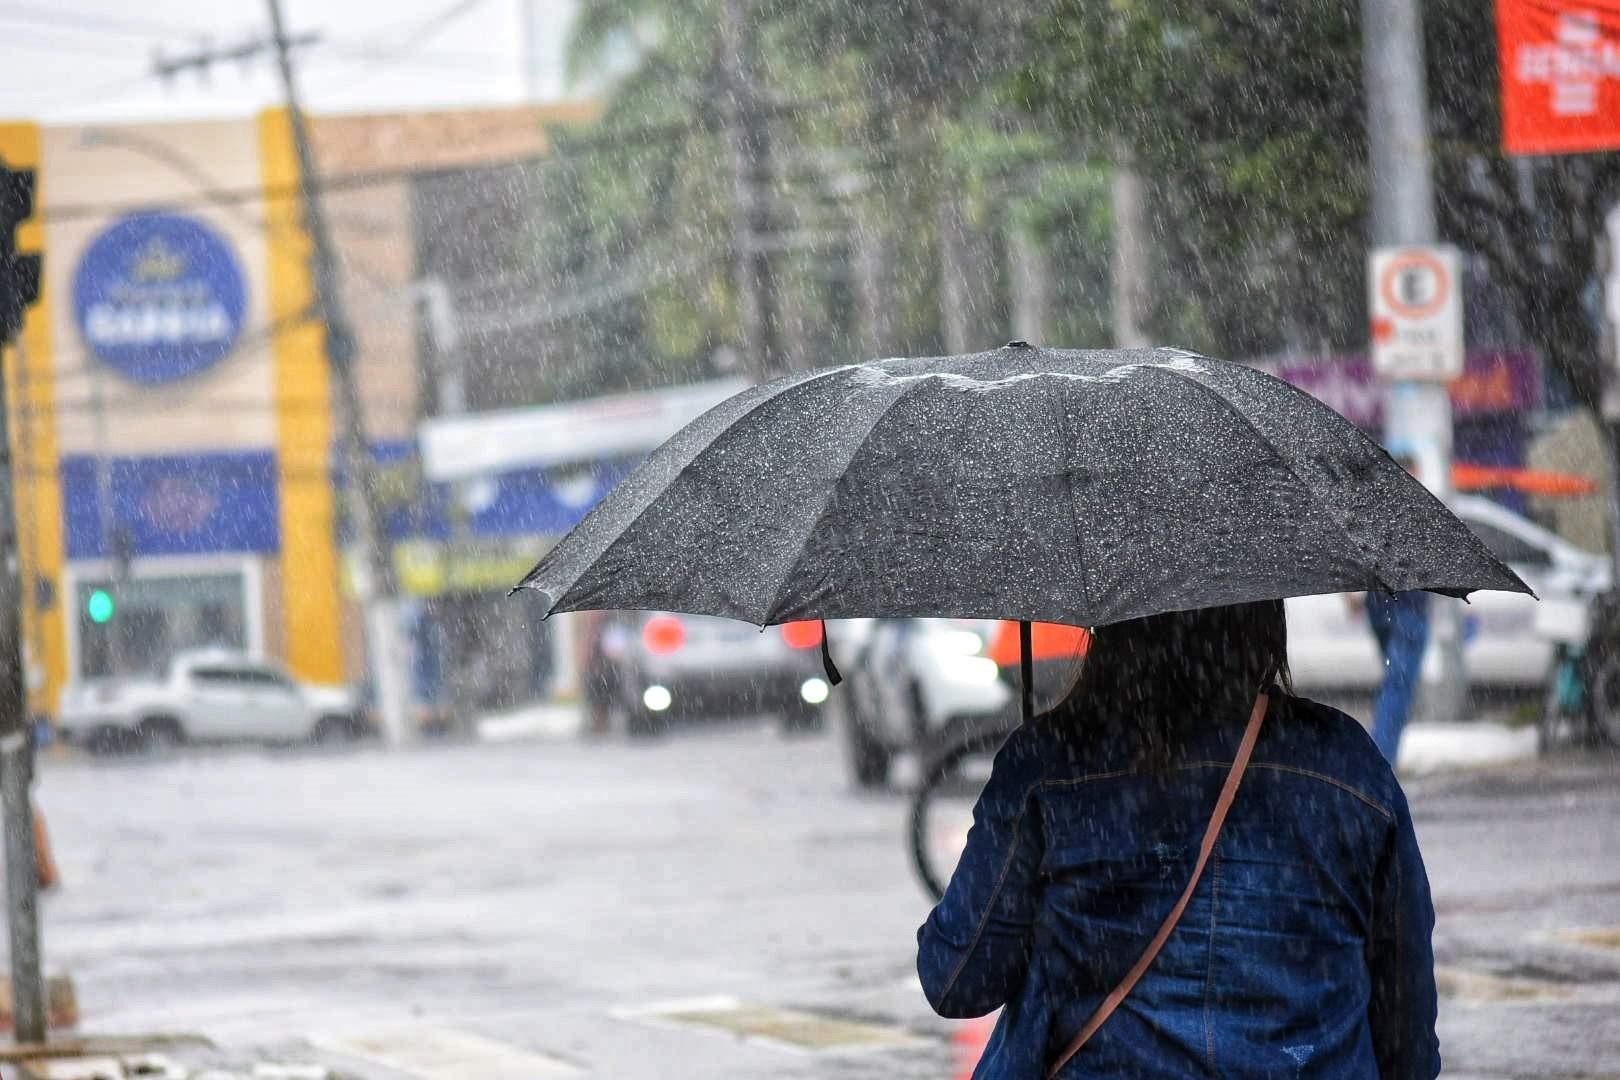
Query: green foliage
{"points": [[1247, 117]]}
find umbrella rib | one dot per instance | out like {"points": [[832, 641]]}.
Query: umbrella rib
{"points": [[826, 503], [1060, 414], [789, 385], [1310, 492]]}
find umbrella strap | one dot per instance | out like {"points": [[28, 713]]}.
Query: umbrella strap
{"points": [[1234, 777], [1026, 669], [827, 664]]}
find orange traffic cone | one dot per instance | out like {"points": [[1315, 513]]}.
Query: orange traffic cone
{"points": [[970, 1040], [44, 861]]}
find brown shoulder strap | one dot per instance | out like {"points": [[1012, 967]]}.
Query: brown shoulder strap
{"points": [[1211, 834]]}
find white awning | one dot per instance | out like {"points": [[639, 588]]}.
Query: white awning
{"points": [[481, 444]]}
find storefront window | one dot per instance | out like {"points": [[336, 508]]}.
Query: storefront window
{"points": [[134, 627]]}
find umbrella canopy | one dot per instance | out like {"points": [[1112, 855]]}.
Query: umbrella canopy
{"points": [[1080, 487]]}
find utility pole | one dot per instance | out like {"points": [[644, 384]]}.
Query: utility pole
{"points": [[1031, 272], [1130, 261], [749, 137], [1417, 415], [373, 577], [115, 545], [19, 288]]}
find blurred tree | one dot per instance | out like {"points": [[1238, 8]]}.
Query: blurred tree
{"points": [[925, 70], [1249, 124], [910, 209]]}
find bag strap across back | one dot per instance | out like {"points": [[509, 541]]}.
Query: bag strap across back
{"points": [[1211, 834]]}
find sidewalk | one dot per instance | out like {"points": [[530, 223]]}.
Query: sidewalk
{"points": [[1428, 748], [541, 722]]}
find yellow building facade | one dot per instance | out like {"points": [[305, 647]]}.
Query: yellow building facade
{"points": [[170, 400]]}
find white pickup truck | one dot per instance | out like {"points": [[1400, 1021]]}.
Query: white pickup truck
{"points": [[208, 695]]}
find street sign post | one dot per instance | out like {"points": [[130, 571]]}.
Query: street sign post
{"points": [[1414, 298]]}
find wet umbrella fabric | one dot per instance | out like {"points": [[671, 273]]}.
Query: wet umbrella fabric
{"points": [[1081, 487]]}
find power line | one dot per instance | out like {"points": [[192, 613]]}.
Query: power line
{"points": [[82, 21], [621, 141]]}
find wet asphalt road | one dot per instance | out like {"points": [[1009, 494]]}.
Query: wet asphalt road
{"points": [[556, 898]]}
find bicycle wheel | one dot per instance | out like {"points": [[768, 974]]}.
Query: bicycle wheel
{"points": [[1604, 702], [942, 806]]}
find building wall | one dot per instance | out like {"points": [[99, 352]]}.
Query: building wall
{"points": [[261, 414]]}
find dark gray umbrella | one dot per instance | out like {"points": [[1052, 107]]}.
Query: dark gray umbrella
{"points": [[1082, 487]]}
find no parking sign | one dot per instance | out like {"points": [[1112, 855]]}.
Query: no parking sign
{"points": [[1415, 298]]}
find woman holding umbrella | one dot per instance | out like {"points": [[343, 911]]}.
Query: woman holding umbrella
{"points": [[1306, 950], [1171, 501]]}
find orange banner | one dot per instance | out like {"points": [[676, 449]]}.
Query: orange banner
{"points": [[1560, 66]]}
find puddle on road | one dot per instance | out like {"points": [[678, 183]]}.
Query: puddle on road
{"points": [[1602, 937], [447, 1054], [794, 1029], [1478, 987]]}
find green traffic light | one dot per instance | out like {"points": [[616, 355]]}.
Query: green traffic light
{"points": [[100, 606]]}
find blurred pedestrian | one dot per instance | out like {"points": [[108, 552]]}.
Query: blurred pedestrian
{"points": [[1400, 623], [1305, 950], [597, 672]]}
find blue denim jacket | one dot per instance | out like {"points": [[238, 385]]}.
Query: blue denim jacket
{"points": [[1305, 951]]}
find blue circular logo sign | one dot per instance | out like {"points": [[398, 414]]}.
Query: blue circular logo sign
{"points": [[159, 297]]}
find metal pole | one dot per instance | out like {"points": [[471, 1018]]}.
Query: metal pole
{"points": [[373, 580], [1130, 261], [1417, 415], [22, 887], [16, 763], [107, 518], [748, 134]]}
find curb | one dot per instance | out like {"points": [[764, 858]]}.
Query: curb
{"points": [[1430, 748]]}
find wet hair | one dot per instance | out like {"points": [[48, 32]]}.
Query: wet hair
{"points": [[1167, 674]]}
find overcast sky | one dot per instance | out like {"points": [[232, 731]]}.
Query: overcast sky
{"points": [[92, 60]]}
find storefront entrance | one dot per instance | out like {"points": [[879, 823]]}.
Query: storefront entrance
{"points": [[135, 626]]}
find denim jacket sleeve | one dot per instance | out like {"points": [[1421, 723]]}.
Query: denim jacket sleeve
{"points": [[974, 949], [1400, 957]]}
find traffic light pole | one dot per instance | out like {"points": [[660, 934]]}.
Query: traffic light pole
{"points": [[19, 287]]}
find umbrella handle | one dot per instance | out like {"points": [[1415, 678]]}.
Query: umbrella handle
{"points": [[1026, 669]]}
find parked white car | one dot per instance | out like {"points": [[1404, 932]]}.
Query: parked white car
{"points": [[208, 695], [1332, 647], [907, 678]]}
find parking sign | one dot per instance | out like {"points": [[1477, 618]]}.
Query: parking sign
{"points": [[1415, 298]]}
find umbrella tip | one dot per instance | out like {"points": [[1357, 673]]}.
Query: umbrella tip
{"points": [[1018, 344]]}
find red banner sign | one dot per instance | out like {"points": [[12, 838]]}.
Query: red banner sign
{"points": [[1560, 63]]}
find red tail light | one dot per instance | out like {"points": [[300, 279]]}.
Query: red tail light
{"points": [[802, 635], [663, 634]]}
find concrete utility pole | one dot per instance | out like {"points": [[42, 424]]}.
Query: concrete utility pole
{"points": [[1030, 268], [1130, 262], [19, 289], [749, 137], [1417, 415], [374, 577]]}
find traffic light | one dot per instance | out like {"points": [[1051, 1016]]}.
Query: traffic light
{"points": [[19, 273], [99, 606]]}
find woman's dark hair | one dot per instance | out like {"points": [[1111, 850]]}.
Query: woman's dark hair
{"points": [[1165, 672]]}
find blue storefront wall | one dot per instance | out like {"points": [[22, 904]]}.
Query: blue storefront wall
{"points": [[226, 502], [532, 502], [179, 504]]}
